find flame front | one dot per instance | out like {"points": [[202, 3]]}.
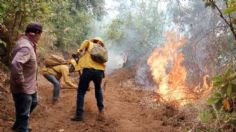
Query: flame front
{"points": [[168, 71]]}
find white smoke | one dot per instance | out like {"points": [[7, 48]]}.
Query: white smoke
{"points": [[115, 61]]}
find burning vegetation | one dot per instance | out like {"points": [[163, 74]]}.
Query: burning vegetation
{"points": [[170, 74]]}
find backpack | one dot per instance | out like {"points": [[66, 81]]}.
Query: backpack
{"points": [[99, 54], [54, 60]]}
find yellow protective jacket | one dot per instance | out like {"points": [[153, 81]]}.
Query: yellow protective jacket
{"points": [[60, 71], [86, 60]]}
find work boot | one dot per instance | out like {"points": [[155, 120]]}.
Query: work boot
{"points": [[77, 118], [29, 128], [55, 101], [101, 116], [16, 129]]}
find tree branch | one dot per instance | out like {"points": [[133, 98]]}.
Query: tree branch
{"points": [[222, 16]]}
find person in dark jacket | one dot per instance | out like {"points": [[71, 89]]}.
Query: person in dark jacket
{"points": [[24, 76]]}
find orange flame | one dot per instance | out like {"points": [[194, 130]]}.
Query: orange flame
{"points": [[168, 71]]}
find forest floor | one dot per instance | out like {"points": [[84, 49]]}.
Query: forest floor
{"points": [[128, 108]]}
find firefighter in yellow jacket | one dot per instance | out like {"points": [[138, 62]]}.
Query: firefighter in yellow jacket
{"points": [[91, 71], [54, 74]]}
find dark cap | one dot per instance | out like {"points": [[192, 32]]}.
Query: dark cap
{"points": [[34, 28]]}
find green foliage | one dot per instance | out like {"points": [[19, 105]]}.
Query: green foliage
{"points": [[220, 101], [71, 21], [229, 10], [69, 25], [206, 116], [19, 13], [115, 31], [15, 15], [137, 28], [224, 92], [231, 7], [67, 20], [223, 84], [215, 98]]}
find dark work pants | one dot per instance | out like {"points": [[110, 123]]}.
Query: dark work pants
{"points": [[89, 75], [24, 105]]}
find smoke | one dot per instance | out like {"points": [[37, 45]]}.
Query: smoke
{"points": [[144, 77], [207, 38], [115, 61], [128, 49], [138, 38], [145, 22]]}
